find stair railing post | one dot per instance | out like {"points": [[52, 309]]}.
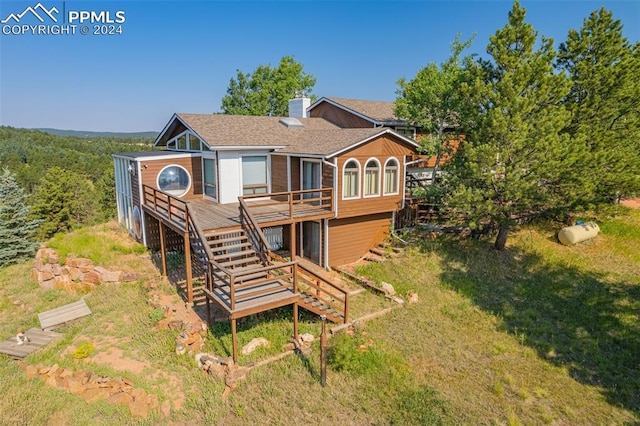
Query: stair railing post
{"points": [[323, 351], [291, 205], [232, 292]]}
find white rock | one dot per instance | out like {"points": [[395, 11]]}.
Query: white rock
{"points": [[388, 289], [254, 344], [307, 338]]}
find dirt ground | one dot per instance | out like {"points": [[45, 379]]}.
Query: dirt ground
{"points": [[634, 203]]}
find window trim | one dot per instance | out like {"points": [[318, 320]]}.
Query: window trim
{"points": [[358, 179], [364, 178], [214, 158], [181, 167], [384, 180]]}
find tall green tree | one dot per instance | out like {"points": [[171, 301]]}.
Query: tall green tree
{"points": [[64, 200], [16, 230], [267, 90], [432, 100], [511, 165], [604, 102]]}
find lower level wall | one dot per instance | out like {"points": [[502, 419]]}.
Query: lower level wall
{"points": [[351, 238]]}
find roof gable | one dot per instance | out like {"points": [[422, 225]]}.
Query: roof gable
{"points": [[332, 143], [376, 112]]}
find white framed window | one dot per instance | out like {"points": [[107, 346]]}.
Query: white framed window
{"points": [[174, 179], [372, 178], [193, 142], [409, 132], [254, 175], [391, 176], [210, 177], [185, 141], [351, 179]]}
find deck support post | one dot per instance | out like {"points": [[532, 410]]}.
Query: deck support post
{"points": [[208, 310], [234, 339], [187, 266], [163, 247], [292, 245], [295, 321]]}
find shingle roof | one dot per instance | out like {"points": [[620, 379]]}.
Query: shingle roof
{"points": [[327, 143], [376, 110], [244, 130], [317, 136]]}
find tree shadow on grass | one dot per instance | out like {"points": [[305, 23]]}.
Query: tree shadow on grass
{"points": [[575, 319]]}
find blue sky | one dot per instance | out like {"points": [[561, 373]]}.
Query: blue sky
{"points": [[178, 56]]}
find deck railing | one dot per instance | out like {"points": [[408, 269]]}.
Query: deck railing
{"points": [[319, 198], [232, 283], [323, 290], [254, 233], [173, 208]]}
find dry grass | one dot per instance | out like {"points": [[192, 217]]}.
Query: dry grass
{"points": [[539, 334]]}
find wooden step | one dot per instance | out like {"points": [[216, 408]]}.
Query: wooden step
{"points": [[316, 306], [217, 233], [245, 254], [378, 251], [239, 246], [237, 262], [226, 240]]}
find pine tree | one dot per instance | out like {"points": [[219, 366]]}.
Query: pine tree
{"points": [[605, 114], [16, 231], [432, 101], [64, 200], [511, 165]]}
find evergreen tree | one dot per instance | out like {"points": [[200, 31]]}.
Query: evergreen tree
{"points": [[604, 104], [64, 200], [432, 101], [267, 90], [16, 230], [511, 166]]}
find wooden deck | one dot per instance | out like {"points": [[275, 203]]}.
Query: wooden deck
{"points": [[37, 339], [252, 299], [268, 210]]}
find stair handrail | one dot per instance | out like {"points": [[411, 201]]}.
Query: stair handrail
{"points": [[251, 226], [308, 271]]}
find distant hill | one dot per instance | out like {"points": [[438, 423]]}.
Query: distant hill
{"points": [[85, 134]]}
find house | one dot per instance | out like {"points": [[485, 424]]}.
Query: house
{"points": [[225, 191], [356, 113]]}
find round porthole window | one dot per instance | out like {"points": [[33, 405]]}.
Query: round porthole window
{"points": [[174, 180], [137, 222]]}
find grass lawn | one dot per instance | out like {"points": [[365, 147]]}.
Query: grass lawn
{"points": [[537, 334]]}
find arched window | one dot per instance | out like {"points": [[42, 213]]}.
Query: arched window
{"points": [[174, 180], [351, 179], [391, 176], [372, 178]]}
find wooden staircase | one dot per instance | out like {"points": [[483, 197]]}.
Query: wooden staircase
{"points": [[318, 307], [233, 250]]}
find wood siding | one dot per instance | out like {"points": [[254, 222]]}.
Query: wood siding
{"points": [[351, 238], [279, 173], [151, 168], [382, 149], [339, 116], [295, 174]]}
